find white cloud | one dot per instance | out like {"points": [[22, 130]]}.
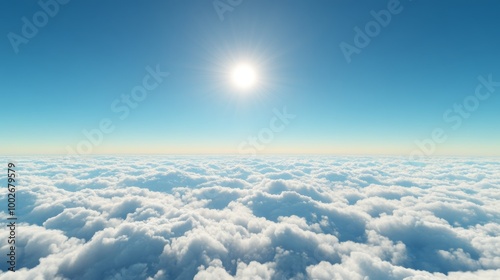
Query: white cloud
{"points": [[257, 218]]}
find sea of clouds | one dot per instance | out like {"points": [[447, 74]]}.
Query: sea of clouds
{"points": [[212, 217]]}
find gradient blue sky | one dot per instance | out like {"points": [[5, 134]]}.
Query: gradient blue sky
{"points": [[393, 93]]}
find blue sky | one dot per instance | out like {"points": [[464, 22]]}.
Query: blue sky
{"points": [[392, 93]]}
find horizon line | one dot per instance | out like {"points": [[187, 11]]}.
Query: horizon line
{"points": [[249, 155]]}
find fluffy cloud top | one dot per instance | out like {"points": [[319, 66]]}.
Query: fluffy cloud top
{"points": [[256, 218]]}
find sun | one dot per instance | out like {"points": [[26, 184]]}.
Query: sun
{"points": [[244, 76]]}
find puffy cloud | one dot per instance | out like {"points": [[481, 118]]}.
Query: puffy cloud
{"points": [[152, 217]]}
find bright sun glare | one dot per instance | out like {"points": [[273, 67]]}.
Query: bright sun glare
{"points": [[244, 76]]}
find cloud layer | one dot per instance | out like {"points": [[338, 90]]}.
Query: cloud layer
{"points": [[256, 218]]}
